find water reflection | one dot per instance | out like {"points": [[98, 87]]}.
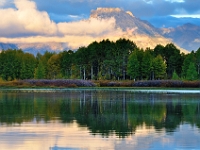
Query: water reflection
{"points": [[125, 118]]}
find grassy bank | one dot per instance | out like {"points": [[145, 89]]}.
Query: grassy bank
{"points": [[150, 83], [61, 83], [46, 83]]}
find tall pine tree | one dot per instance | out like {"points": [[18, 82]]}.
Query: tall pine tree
{"points": [[133, 66]]}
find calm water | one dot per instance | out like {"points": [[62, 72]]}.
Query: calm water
{"points": [[100, 119]]}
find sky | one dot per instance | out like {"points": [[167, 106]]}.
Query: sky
{"points": [[154, 10], [64, 20]]}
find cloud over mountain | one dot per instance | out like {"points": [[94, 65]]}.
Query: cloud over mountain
{"points": [[27, 20], [93, 27], [27, 24]]}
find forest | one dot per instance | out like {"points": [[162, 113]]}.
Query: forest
{"points": [[104, 60]]}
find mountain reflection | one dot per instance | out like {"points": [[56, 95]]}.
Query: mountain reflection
{"points": [[102, 112]]}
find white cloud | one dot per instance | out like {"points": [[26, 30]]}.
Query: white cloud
{"points": [[73, 41], [175, 1], [2, 2], [197, 40], [26, 19], [93, 27], [25, 4], [80, 1], [148, 1], [182, 13], [26, 24], [187, 16]]}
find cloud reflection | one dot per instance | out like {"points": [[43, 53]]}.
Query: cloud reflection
{"points": [[51, 135]]}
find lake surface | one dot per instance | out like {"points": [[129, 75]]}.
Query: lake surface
{"points": [[95, 119]]}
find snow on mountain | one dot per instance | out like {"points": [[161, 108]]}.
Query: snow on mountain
{"points": [[125, 20], [141, 32]]}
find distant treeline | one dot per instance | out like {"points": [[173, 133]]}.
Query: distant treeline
{"points": [[104, 60]]}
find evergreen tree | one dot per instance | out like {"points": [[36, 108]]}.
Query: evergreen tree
{"points": [[133, 66], [191, 72], [146, 65], [40, 71], [173, 59], [66, 60], [188, 59], [28, 66], [197, 55], [47, 55], [140, 54], [93, 59], [159, 50], [159, 68], [11, 62], [175, 76], [23, 71], [82, 56], [125, 48]]}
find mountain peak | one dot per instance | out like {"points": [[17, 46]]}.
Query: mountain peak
{"points": [[100, 10], [130, 13], [189, 26], [125, 20], [186, 35]]}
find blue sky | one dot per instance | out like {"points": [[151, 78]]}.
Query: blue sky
{"points": [[158, 12], [27, 21], [161, 13]]}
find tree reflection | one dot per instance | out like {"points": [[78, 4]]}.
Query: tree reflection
{"points": [[102, 112]]}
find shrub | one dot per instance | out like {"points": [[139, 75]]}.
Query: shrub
{"points": [[60, 83], [167, 83]]}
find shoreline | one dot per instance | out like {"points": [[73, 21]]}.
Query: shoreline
{"points": [[100, 89], [77, 83]]}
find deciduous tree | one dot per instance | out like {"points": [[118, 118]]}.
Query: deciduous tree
{"points": [[53, 66]]}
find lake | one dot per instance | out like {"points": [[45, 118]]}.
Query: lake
{"points": [[95, 119]]}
